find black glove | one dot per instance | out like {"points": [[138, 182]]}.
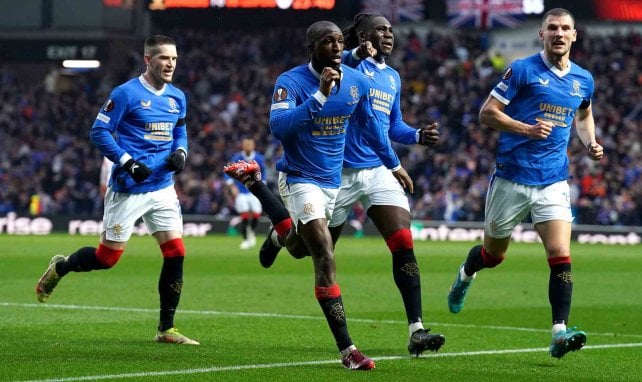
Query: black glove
{"points": [[137, 170], [176, 161], [429, 135]]}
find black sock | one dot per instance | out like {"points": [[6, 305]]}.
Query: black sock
{"points": [[336, 317], [243, 229], [83, 260], [272, 205], [474, 261], [560, 291], [406, 274], [170, 285]]}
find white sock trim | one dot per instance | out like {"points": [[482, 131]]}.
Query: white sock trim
{"points": [[464, 277], [414, 326]]}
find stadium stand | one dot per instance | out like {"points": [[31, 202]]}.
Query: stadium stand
{"points": [[48, 165]]}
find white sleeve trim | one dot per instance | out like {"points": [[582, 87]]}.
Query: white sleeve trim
{"points": [[320, 97], [500, 98], [123, 159]]}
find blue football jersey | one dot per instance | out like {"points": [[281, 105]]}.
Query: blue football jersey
{"points": [[147, 124], [241, 155], [384, 90], [312, 129], [534, 90]]}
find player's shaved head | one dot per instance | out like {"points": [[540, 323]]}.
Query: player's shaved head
{"points": [[319, 30], [153, 42]]}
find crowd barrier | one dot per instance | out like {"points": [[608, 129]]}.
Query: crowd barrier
{"points": [[202, 225]]}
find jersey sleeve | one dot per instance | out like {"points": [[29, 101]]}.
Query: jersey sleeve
{"points": [[376, 137], [107, 120], [349, 58], [285, 115], [180, 129], [586, 101], [510, 83], [400, 131]]}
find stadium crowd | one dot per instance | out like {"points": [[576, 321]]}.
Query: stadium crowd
{"points": [[48, 166]]}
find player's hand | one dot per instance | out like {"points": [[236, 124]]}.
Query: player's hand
{"points": [[137, 170], [540, 130], [366, 50], [429, 135], [595, 151], [328, 79], [176, 161], [404, 179]]}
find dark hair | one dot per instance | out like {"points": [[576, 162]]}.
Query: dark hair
{"points": [[318, 30], [558, 12], [154, 41], [359, 24]]}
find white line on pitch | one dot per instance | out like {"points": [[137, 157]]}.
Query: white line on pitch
{"points": [[289, 316], [217, 369]]}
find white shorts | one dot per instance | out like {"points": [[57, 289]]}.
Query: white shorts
{"points": [[246, 202], [508, 203], [160, 211], [305, 201], [372, 186]]}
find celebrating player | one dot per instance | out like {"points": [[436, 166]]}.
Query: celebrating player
{"points": [[311, 106], [147, 117], [367, 180], [534, 107]]}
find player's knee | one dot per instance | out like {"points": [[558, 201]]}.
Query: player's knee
{"points": [[173, 248], [553, 261], [108, 257], [400, 240]]}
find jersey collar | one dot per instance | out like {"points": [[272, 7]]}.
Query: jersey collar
{"points": [[315, 73], [149, 87], [553, 68], [380, 65]]}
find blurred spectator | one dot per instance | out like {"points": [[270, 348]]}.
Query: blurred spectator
{"points": [[447, 76]]}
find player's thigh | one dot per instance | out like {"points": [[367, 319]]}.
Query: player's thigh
{"points": [[381, 188], [556, 236], [255, 204], [551, 213], [507, 203], [242, 203], [350, 191], [166, 212], [121, 212], [306, 202], [552, 202]]}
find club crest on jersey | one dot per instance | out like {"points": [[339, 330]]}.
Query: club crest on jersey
{"points": [[354, 93], [393, 83], [109, 106], [173, 106], [507, 73], [576, 89], [146, 104], [280, 94]]}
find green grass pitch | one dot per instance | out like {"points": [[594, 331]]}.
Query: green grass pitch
{"points": [[265, 325]]}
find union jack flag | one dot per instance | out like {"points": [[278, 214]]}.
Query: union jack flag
{"points": [[484, 14], [395, 10]]}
